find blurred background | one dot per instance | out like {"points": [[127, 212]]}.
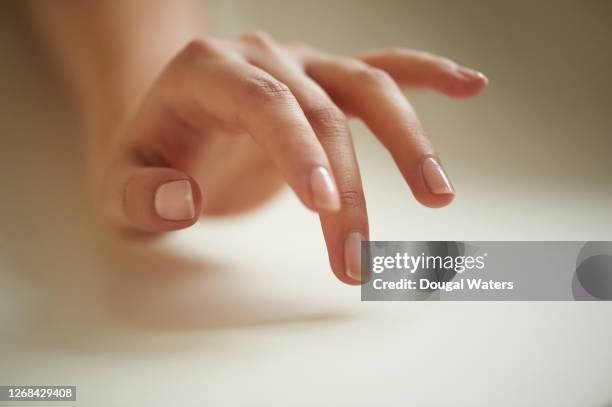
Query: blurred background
{"points": [[245, 309]]}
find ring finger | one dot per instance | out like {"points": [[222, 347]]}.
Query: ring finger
{"points": [[372, 95]]}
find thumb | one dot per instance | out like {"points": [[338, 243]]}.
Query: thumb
{"points": [[149, 199]]}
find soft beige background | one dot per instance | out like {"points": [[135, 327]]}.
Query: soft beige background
{"points": [[245, 310]]}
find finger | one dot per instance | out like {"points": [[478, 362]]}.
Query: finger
{"points": [[236, 93], [139, 198], [343, 230], [373, 95], [419, 69]]}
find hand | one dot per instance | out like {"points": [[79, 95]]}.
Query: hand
{"points": [[230, 120]]}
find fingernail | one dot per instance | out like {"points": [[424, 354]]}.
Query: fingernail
{"points": [[435, 178], [174, 200], [471, 74], [352, 255], [324, 191]]}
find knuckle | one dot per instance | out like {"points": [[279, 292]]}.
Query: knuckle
{"points": [[373, 76], [349, 198], [327, 117], [410, 53], [266, 89], [299, 46], [198, 48], [442, 62], [259, 39], [301, 50], [394, 51]]}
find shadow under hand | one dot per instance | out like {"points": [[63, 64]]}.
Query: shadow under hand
{"points": [[152, 288]]}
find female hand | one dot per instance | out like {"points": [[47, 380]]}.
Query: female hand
{"points": [[230, 120]]}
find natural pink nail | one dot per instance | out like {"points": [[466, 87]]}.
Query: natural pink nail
{"points": [[471, 74], [352, 255], [435, 178], [324, 191], [174, 200]]}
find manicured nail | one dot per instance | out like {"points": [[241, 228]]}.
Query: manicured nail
{"points": [[324, 191], [471, 74], [174, 200], [435, 178], [352, 255]]}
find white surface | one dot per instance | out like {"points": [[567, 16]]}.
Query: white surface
{"points": [[245, 311], [268, 325]]}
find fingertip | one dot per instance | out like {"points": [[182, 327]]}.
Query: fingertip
{"points": [[435, 201], [152, 200], [323, 190], [174, 200], [344, 278], [178, 201], [472, 75], [350, 281], [352, 257], [344, 252], [465, 83], [429, 182]]}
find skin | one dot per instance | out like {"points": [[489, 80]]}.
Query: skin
{"points": [[238, 118]]}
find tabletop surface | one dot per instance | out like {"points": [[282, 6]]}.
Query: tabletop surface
{"points": [[245, 310]]}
